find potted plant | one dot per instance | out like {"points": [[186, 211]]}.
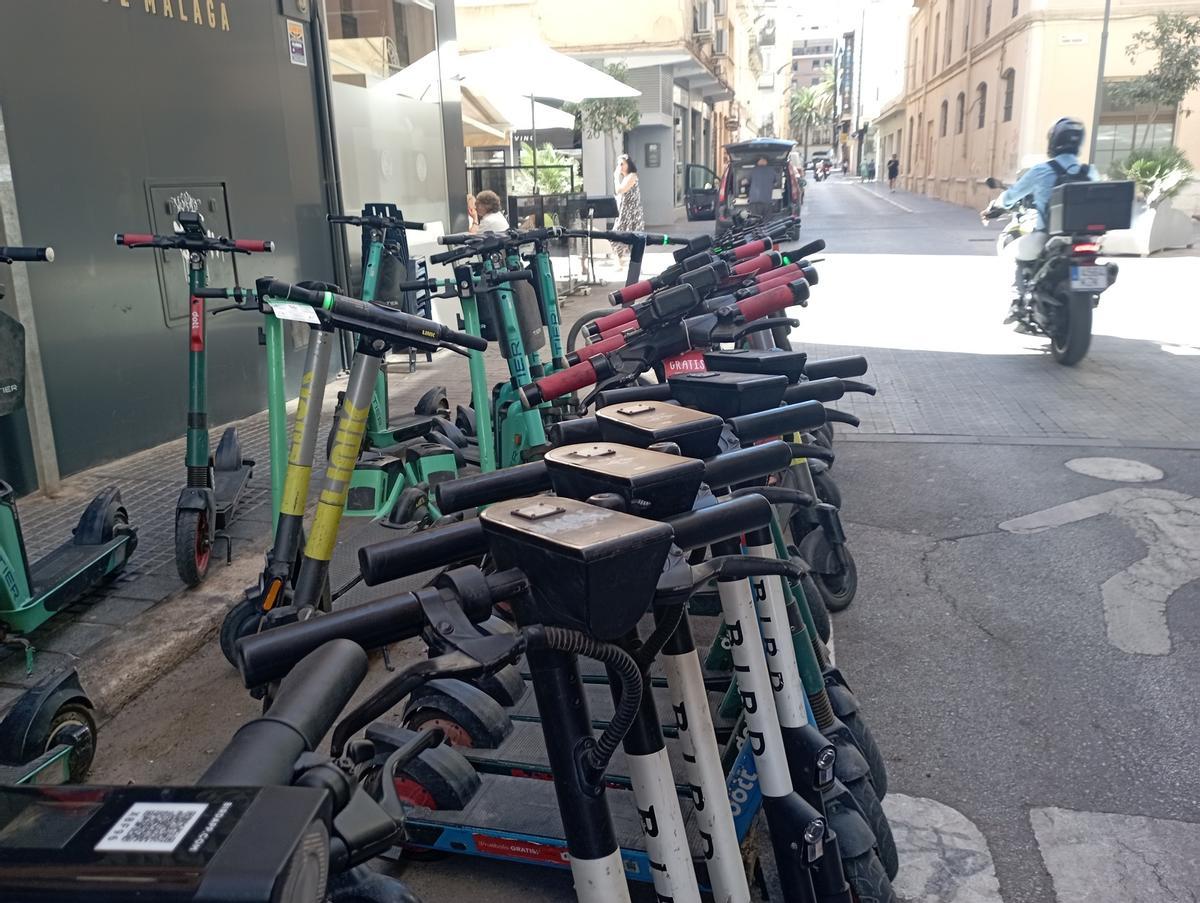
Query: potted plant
{"points": [[1159, 176]]}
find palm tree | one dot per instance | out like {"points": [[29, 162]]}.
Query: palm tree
{"points": [[809, 108]]}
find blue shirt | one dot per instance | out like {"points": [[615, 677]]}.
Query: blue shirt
{"points": [[1040, 181]]}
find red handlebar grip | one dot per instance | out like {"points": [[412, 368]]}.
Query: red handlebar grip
{"points": [[613, 320], [254, 246], [759, 264], [605, 345], [751, 249], [631, 293], [780, 272], [128, 239], [560, 383], [764, 303]]}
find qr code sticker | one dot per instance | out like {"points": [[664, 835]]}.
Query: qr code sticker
{"points": [[151, 828]]}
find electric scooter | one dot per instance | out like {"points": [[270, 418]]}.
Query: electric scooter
{"points": [[215, 482], [49, 734]]}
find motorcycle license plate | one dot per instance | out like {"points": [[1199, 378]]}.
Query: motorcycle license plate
{"points": [[1088, 278]]}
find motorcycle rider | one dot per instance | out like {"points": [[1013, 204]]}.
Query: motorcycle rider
{"points": [[1063, 144]]}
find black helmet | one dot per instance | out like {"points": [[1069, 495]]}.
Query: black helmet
{"points": [[1066, 137]]}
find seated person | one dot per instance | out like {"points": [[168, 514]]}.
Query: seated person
{"points": [[490, 217]]}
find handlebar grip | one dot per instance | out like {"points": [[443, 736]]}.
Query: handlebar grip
{"points": [[829, 389], [841, 367], [763, 262], [781, 276], [835, 416], [254, 246], [412, 554], [555, 385], [853, 385], [656, 392], [603, 324], [792, 418], [465, 339], [451, 256], [605, 345], [779, 298], [269, 287], [728, 520], [129, 239], [694, 246], [457, 238], [26, 254], [752, 249], [574, 432], [496, 486], [263, 752], [813, 247], [631, 293], [270, 654], [747, 464]]}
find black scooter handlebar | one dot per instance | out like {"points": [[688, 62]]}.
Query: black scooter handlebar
{"points": [[486, 488], [792, 418], [747, 464], [264, 751], [841, 367], [727, 520], [406, 555]]}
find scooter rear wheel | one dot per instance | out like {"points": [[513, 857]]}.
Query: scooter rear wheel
{"points": [[193, 548], [240, 621]]}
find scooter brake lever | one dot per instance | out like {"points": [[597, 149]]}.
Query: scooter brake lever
{"points": [[737, 567]]}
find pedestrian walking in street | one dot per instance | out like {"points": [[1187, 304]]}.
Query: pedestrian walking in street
{"points": [[630, 217], [487, 203], [871, 171], [893, 170]]}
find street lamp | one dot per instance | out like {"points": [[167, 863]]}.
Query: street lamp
{"points": [[1099, 82]]}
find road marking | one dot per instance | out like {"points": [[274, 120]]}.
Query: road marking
{"points": [[882, 197], [1119, 470], [1135, 599], [944, 858], [1097, 857]]}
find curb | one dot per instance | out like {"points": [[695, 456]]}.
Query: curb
{"points": [[123, 668]]}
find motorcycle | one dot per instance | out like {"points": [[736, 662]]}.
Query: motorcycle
{"points": [[1059, 288]]}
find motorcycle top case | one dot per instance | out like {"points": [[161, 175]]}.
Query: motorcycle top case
{"points": [[1090, 208], [728, 394], [753, 360]]}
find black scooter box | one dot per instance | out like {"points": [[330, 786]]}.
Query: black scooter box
{"points": [[756, 360], [728, 394], [653, 484], [644, 423]]}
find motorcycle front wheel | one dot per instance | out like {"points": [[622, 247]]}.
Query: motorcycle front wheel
{"points": [[1071, 340]]}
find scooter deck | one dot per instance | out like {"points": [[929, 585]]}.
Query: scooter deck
{"points": [[228, 486], [518, 819], [600, 705], [65, 575], [524, 750]]}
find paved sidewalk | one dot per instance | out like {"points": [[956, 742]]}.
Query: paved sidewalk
{"points": [[128, 613]]}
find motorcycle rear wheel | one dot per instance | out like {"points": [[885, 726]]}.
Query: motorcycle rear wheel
{"points": [[1071, 342]]}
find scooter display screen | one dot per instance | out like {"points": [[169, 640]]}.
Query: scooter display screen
{"points": [[41, 823]]}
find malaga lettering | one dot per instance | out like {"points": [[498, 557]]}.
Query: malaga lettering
{"points": [[210, 13]]}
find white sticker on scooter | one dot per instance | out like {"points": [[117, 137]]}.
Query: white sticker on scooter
{"points": [[301, 313], [151, 828]]}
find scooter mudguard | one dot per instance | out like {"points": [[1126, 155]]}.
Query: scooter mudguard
{"points": [[442, 772], [25, 726], [850, 764], [480, 716], [93, 522], [855, 837], [196, 498], [433, 403], [839, 694]]}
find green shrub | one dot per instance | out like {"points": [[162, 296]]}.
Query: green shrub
{"points": [[1159, 174]]}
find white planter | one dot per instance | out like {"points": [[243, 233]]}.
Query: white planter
{"points": [[1152, 230]]}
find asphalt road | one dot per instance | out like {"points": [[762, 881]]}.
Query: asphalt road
{"points": [[1031, 684]]}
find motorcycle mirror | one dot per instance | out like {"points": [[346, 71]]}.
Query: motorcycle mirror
{"points": [[992, 182]]}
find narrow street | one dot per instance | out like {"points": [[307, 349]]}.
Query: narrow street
{"points": [[1026, 638]]}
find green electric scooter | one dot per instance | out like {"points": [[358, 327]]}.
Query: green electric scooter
{"points": [[49, 734], [215, 482], [401, 458]]}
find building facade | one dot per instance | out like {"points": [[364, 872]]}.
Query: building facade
{"points": [[697, 64], [985, 79]]}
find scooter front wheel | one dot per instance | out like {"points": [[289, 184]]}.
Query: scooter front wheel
{"points": [[193, 547], [240, 621], [868, 879], [73, 715]]}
